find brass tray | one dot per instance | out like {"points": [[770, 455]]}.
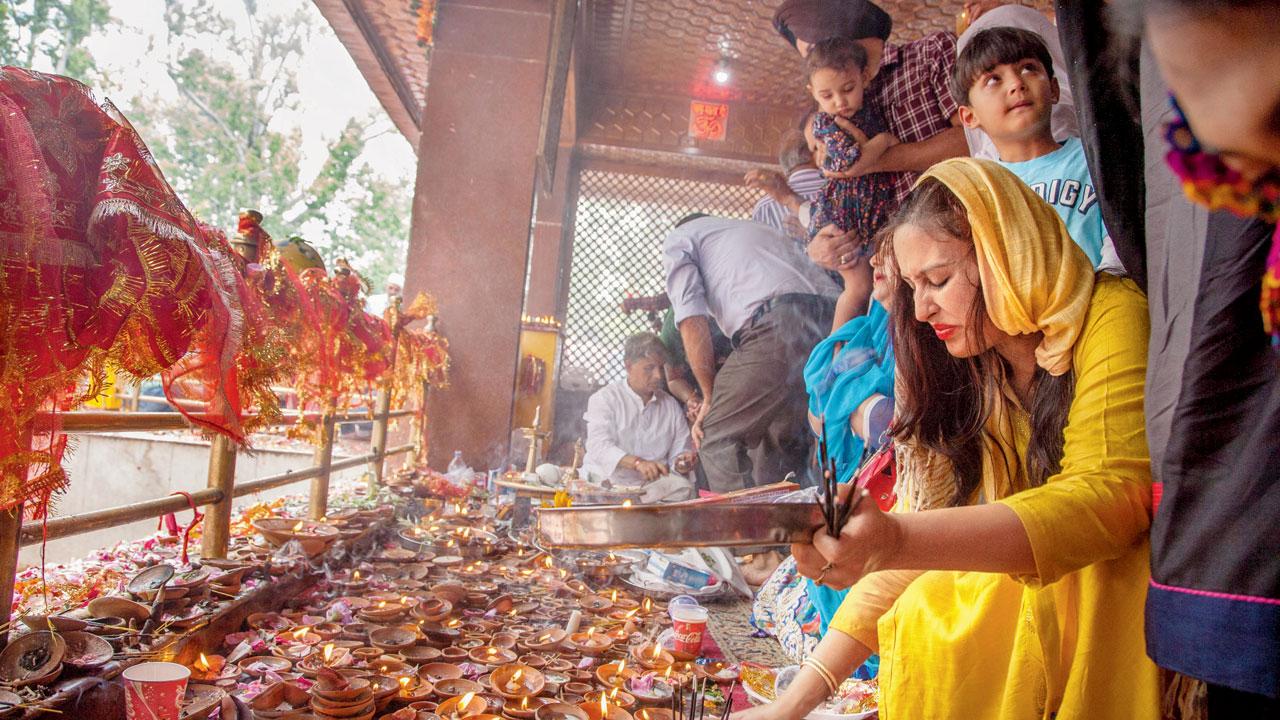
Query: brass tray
{"points": [[677, 525]]}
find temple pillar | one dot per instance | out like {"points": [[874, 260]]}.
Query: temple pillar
{"points": [[472, 208]]}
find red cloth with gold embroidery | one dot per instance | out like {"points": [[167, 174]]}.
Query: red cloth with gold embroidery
{"points": [[99, 261]]}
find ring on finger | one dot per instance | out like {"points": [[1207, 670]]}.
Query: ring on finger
{"points": [[823, 573]]}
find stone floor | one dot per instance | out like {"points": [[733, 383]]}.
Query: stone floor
{"points": [[729, 624]]}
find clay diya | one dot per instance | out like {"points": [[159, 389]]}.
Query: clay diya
{"points": [[491, 655], [383, 612], [260, 665], [420, 653], [590, 643], [199, 701], [615, 696], [596, 604], [435, 672], [56, 623], [111, 606], [334, 696], [456, 687], [654, 714], [413, 689], [34, 658], [603, 710], [516, 680], [651, 689], [615, 674], [314, 537], [524, 708], [652, 656], [718, 671], [392, 639], [270, 621], [384, 690], [560, 711], [548, 640], [433, 608], [213, 669], [147, 583], [454, 654], [468, 705]]}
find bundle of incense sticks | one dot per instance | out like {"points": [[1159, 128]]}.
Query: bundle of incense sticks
{"points": [[693, 705], [835, 512]]}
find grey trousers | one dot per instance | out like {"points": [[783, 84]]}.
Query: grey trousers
{"points": [[759, 398]]}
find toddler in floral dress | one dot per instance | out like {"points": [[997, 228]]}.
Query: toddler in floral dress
{"points": [[843, 132]]}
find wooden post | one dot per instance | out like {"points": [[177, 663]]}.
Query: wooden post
{"points": [[323, 459], [217, 519], [420, 433], [379, 440], [10, 529]]}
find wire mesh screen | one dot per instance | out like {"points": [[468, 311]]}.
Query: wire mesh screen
{"points": [[621, 222]]}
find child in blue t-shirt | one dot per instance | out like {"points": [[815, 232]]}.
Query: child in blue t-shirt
{"points": [[1004, 84]]}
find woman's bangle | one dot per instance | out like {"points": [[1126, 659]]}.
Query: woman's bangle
{"points": [[827, 678]]}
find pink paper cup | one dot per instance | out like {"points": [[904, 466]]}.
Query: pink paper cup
{"points": [[154, 690], [689, 624]]}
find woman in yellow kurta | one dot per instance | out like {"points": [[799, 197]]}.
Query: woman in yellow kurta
{"points": [[1010, 583]]}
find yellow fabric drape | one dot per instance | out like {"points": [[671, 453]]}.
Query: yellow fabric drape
{"points": [[1068, 639]]}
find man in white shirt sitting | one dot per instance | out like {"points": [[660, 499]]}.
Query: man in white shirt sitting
{"points": [[637, 435]]}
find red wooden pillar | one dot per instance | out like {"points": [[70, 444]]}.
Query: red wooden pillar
{"points": [[472, 210]]}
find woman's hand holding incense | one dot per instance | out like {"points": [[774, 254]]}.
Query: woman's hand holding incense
{"points": [[867, 542]]}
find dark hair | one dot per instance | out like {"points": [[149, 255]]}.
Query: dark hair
{"points": [[944, 402], [814, 20], [992, 47], [835, 53], [690, 218]]}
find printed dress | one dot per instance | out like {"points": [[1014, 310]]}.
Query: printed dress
{"points": [[863, 203]]}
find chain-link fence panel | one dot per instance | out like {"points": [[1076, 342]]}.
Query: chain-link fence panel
{"points": [[621, 221]]}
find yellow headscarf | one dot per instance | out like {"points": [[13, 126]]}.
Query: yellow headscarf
{"points": [[1034, 277]]}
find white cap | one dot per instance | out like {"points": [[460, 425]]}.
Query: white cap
{"points": [[395, 279]]}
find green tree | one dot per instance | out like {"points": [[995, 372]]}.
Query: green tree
{"points": [[48, 35], [223, 146]]}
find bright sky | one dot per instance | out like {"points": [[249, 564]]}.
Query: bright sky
{"points": [[332, 89]]}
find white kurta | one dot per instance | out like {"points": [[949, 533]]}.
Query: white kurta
{"points": [[620, 423]]}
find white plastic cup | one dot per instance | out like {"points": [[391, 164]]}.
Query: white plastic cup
{"points": [[154, 690]]}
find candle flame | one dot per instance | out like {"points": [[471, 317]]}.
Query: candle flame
{"points": [[465, 701], [404, 684], [622, 665], [647, 604], [382, 604], [656, 651], [524, 702], [667, 673], [591, 631], [357, 575], [300, 633], [626, 503], [604, 707], [630, 613], [613, 596], [203, 663], [328, 653], [297, 527], [515, 678], [613, 694], [612, 558]]}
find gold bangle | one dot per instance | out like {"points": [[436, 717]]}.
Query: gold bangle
{"points": [[827, 678]]}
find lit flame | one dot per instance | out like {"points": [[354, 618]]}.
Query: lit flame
{"points": [[300, 633], [404, 685], [622, 665], [613, 558], [656, 651], [465, 701], [646, 605], [630, 613], [357, 576], [613, 694], [524, 702], [453, 622], [591, 631], [563, 573], [613, 596], [203, 663], [515, 678], [328, 653], [297, 527], [626, 503], [382, 604], [604, 706], [667, 673]]}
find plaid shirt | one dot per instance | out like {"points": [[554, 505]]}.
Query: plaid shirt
{"points": [[912, 91]]}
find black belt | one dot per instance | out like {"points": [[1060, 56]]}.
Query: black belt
{"points": [[770, 305]]}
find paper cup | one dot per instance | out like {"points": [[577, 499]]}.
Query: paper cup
{"points": [[154, 690], [689, 624]]}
